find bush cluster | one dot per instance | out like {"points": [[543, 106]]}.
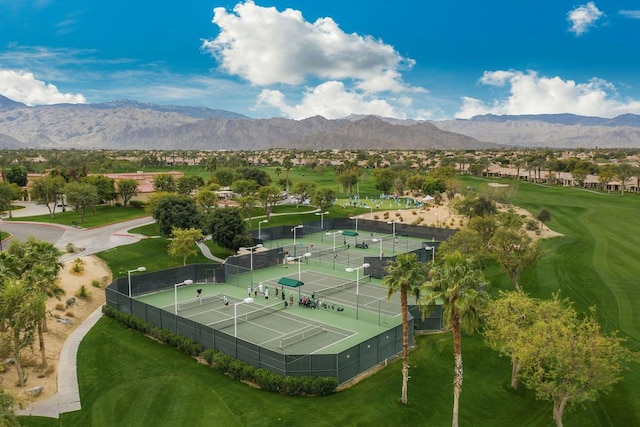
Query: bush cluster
{"points": [[265, 379], [270, 381]]}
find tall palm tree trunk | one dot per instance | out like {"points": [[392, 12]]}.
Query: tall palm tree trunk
{"points": [[405, 345], [457, 381]]}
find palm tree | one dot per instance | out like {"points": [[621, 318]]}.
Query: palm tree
{"points": [[37, 263], [406, 274], [288, 164], [460, 287]]}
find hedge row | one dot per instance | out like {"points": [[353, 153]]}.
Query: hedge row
{"points": [[265, 379], [186, 345], [270, 381]]}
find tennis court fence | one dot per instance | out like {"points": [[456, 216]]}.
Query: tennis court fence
{"points": [[344, 365]]}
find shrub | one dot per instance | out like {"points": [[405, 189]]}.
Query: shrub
{"points": [[60, 306], [136, 204], [69, 314], [77, 268], [531, 224], [70, 248], [96, 283], [83, 293], [208, 356]]}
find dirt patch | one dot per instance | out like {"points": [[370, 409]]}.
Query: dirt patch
{"points": [[62, 320]]}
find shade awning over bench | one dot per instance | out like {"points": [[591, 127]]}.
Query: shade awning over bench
{"points": [[292, 283], [349, 233]]}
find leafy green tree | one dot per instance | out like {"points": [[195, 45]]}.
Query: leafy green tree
{"points": [[176, 211], [605, 176], [485, 226], [460, 287], [8, 193], [323, 198], [228, 229], [258, 175], [571, 361], [81, 196], [433, 185], [47, 191], [106, 186], [304, 190], [127, 189], [207, 201], [164, 182], [508, 321], [543, 216], [188, 184], [415, 182], [468, 242], [244, 187], [406, 275], [17, 175], [268, 197], [580, 174], [383, 179], [515, 251], [183, 243], [224, 176]]}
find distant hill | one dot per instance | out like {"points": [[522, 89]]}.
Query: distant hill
{"points": [[550, 130], [128, 124]]}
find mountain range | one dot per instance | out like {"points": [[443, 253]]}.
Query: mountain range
{"points": [[127, 124]]}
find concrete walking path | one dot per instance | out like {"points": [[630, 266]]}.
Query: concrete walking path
{"points": [[67, 398]]}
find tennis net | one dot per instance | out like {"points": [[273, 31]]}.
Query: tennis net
{"points": [[246, 317], [205, 299], [301, 336], [343, 287]]}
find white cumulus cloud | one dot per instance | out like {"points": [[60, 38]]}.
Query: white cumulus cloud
{"points": [[23, 87], [266, 46], [533, 94], [583, 17], [330, 100]]}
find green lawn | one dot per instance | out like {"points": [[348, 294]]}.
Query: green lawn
{"points": [[150, 253], [104, 215], [129, 380]]}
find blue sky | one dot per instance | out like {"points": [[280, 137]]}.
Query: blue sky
{"points": [[422, 59]]}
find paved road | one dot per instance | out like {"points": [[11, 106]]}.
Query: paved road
{"points": [[88, 240]]}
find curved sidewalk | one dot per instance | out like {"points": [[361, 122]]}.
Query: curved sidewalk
{"points": [[67, 399]]}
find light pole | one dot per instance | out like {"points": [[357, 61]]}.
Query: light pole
{"points": [[294, 232], [394, 234], [264, 221], [251, 250], [356, 218], [379, 239], [129, 275], [175, 291], [357, 270], [299, 259], [334, 234], [235, 314], [322, 214], [433, 253]]}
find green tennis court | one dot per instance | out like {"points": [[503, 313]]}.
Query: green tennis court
{"points": [[281, 322]]}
